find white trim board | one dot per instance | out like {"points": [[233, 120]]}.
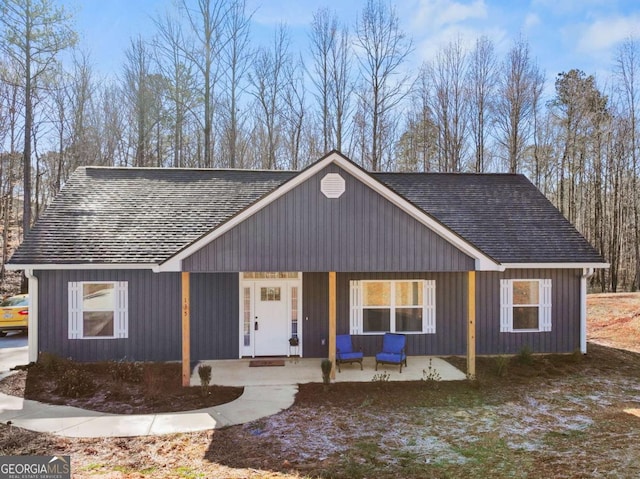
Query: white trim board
{"points": [[482, 261], [553, 265], [82, 266]]}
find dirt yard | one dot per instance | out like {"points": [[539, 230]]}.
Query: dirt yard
{"points": [[526, 417]]}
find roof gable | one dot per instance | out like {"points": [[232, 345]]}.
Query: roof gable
{"points": [[483, 262], [307, 230]]}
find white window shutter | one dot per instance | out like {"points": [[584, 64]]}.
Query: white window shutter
{"points": [[429, 311], [355, 316], [506, 309], [75, 310], [121, 313], [545, 305]]}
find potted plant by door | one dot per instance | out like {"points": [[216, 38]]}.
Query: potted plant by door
{"points": [[294, 341]]}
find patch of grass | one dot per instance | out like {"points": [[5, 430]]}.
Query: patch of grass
{"points": [[567, 435], [525, 355], [492, 457], [187, 472], [501, 364], [369, 450], [407, 460]]}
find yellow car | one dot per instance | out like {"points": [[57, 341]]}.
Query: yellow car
{"points": [[14, 314]]}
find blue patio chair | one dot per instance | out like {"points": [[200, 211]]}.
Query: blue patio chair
{"points": [[393, 351], [345, 352]]}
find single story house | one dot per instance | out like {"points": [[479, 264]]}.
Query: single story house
{"points": [[185, 264]]}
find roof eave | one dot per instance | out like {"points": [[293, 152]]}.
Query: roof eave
{"points": [[564, 265], [80, 266]]}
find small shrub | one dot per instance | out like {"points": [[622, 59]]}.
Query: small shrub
{"points": [[75, 382], [501, 364], [382, 377], [204, 371], [126, 371], [430, 374], [525, 356], [326, 366], [51, 363]]}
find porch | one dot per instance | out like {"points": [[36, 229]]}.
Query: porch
{"points": [[237, 372]]}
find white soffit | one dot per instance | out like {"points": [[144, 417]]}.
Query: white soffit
{"points": [[332, 185]]}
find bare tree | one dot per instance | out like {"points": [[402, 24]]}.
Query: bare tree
{"points": [[417, 147], [236, 59], [207, 20], [481, 79], [382, 48], [628, 74], [140, 94], [34, 33], [324, 28], [449, 104], [514, 108], [179, 71], [268, 81]]}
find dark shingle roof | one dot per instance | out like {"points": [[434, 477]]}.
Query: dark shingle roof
{"points": [[129, 215], [503, 215]]}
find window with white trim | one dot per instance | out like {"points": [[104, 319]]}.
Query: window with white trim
{"points": [[98, 310], [397, 306], [525, 305]]}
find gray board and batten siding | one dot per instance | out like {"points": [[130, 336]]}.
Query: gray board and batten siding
{"points": [[154, 316], [564, 336], [451, 314], [305, 231], [155, 327]]}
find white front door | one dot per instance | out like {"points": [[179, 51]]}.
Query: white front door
{"points": [[271, 319], [270, 311]]}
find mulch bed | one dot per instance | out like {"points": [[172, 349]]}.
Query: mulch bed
{"points": [[115, 387]]}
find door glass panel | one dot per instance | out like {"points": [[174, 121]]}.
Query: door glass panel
{"points": [[270, 294], [294, 311], [271, 275], [246, 324]]}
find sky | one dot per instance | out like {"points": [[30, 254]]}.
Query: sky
{"points": [[563, 34]]}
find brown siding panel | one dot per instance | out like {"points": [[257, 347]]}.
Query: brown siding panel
{"points": [[305, 231]]}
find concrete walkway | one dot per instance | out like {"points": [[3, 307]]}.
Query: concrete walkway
{"points": [[254, 403], [269, 391]]}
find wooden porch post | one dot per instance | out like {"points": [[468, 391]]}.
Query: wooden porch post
{"points": [[471, 325], [186, 331], [332, 322]]}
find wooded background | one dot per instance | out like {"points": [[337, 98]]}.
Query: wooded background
{"points": [[198, 93]]}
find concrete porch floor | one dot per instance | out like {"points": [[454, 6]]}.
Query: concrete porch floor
{"points": [[236, 372]]}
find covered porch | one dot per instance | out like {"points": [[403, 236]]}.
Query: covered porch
{"points": [[308, 369], [237, 372]]}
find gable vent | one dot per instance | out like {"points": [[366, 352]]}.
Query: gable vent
{"points": [[332, 185]]}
